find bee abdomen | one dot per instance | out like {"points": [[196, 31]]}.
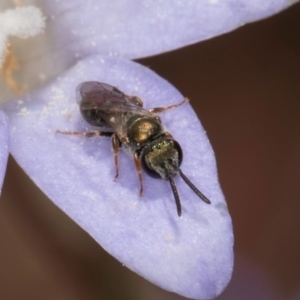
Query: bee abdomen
{"points": [[93, 117]]}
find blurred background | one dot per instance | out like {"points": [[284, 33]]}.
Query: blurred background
{"points": [[245, 89]]}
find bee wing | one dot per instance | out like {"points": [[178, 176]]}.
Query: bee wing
{"points": [[94, 94], [113, 105]]}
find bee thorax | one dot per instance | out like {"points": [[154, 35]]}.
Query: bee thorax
{"points": [[142, 129]]}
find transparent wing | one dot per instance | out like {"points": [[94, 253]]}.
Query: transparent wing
{"points": [[112, 105], [94, 93]]}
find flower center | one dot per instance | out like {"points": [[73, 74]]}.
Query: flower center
{"points": [[22, 22]]}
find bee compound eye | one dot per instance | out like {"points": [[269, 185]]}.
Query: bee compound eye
{"points": [[147, 167], [179, 150]]}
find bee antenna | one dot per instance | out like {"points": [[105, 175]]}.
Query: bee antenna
{"points": [[176, 196], [195, 190]]}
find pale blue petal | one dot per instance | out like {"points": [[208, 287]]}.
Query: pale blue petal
{"points": [[191, 255], [126, 28], [3, 146], [135, 29]]}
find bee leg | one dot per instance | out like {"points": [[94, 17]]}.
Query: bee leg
{"points": [[164, 108], [86, 134], [116, 145], [138, 166]]}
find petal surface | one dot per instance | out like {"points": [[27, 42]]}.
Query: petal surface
{"points": [[135, 29], [126, 28], [3, 146], [191, 255]]}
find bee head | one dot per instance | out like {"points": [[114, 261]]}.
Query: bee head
{"points": [[162, 158]]}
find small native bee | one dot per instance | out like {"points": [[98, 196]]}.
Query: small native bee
{"points": [[140, 131]]}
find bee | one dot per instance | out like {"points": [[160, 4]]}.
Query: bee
{"points": [[136, 129]]}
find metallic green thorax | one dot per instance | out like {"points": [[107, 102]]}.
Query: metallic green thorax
{"points": [[143, 129]]}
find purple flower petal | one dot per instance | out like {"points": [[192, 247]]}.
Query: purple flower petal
{"points": [[3, 146], [131, 29], [191, 255], [135, 29]]}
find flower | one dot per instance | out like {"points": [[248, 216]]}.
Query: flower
{"points": [[3, 146], [22, 22], [193, 254]]}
